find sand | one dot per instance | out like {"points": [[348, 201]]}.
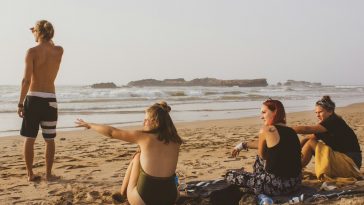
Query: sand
{"points": [[91, 167]]}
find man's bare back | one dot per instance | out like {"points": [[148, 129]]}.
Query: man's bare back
{"points": [[46, 61]]}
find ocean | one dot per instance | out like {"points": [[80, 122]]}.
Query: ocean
{"points": [[125, 105]]}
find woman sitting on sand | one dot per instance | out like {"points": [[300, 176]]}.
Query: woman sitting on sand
{"points": [[277, 169], [333, 131], [150, 177]]}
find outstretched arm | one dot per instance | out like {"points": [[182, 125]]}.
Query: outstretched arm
{"points": [[109, 131]]}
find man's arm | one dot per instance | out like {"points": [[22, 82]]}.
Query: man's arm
{"points": [[29, 60]]}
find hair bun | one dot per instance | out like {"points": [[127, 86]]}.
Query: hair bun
{"points": [[326, 97], [47, 25], [326, 103], [164, 106]]}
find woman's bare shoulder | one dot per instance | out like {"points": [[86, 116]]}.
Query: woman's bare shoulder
{"points": [[267, 129]]}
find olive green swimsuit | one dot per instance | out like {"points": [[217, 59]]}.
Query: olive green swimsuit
{"points": [[157, 190]]}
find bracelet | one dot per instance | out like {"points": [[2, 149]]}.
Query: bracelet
{"points": [[242, 146], [20, 105]]}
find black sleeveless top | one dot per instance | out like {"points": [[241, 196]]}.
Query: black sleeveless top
{"points": [[339, 136], [284, 159]]}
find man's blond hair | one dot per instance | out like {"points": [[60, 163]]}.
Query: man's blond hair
{"points": [[45, 29]]}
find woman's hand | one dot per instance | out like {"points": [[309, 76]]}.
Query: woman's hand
{"points": [[81, 123], [238, 148], [235, 152]]}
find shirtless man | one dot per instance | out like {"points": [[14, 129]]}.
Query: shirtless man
{"points": [[37, 103]]}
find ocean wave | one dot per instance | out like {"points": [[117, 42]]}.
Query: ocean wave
{"points": [[176, 93], [99, 111], [224, 93], [10, 130], [107, 100], [185, 99], [216, 110], [16, 131], [232, 97], [349, 86]]}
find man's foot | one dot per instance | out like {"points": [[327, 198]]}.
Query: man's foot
{"points": [[51, 178], [34, 178], [117, 198]]}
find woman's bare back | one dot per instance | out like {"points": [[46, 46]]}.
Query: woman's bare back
{"points": [[158, 158]]}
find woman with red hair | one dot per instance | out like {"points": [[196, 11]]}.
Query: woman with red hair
{"points": [[277, 169]]}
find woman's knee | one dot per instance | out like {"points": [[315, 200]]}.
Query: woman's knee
{"points": [[136, 156], [136, 159]]}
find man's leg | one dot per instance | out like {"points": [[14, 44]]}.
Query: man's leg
{"points": [[29, 156], [49, 156], [307, 151]]}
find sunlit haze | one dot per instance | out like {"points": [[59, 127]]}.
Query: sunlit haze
{"points": [[120, 41]]}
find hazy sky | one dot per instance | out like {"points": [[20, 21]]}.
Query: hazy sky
{"points": [[121, 41]]}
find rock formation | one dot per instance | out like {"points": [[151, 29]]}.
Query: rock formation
{"points": [[104, 85], [200, 82], [300, 83]]}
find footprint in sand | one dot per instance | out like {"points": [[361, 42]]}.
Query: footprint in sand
{"points": [[3, 168], [16, 186], [96, 170], [38, 164], [191, 177], [66, 158], [67, 167], [232, 160], [52, 192], [92, 196], [116, 175]]}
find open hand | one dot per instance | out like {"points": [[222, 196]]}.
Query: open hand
{"points": [[81, 123]]}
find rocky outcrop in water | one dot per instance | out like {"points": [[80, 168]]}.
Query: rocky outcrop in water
{"points": [[104, 85], [200, 82], [300, 83]]}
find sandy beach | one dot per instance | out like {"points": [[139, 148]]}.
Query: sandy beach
{"points": [[91, 167]]}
